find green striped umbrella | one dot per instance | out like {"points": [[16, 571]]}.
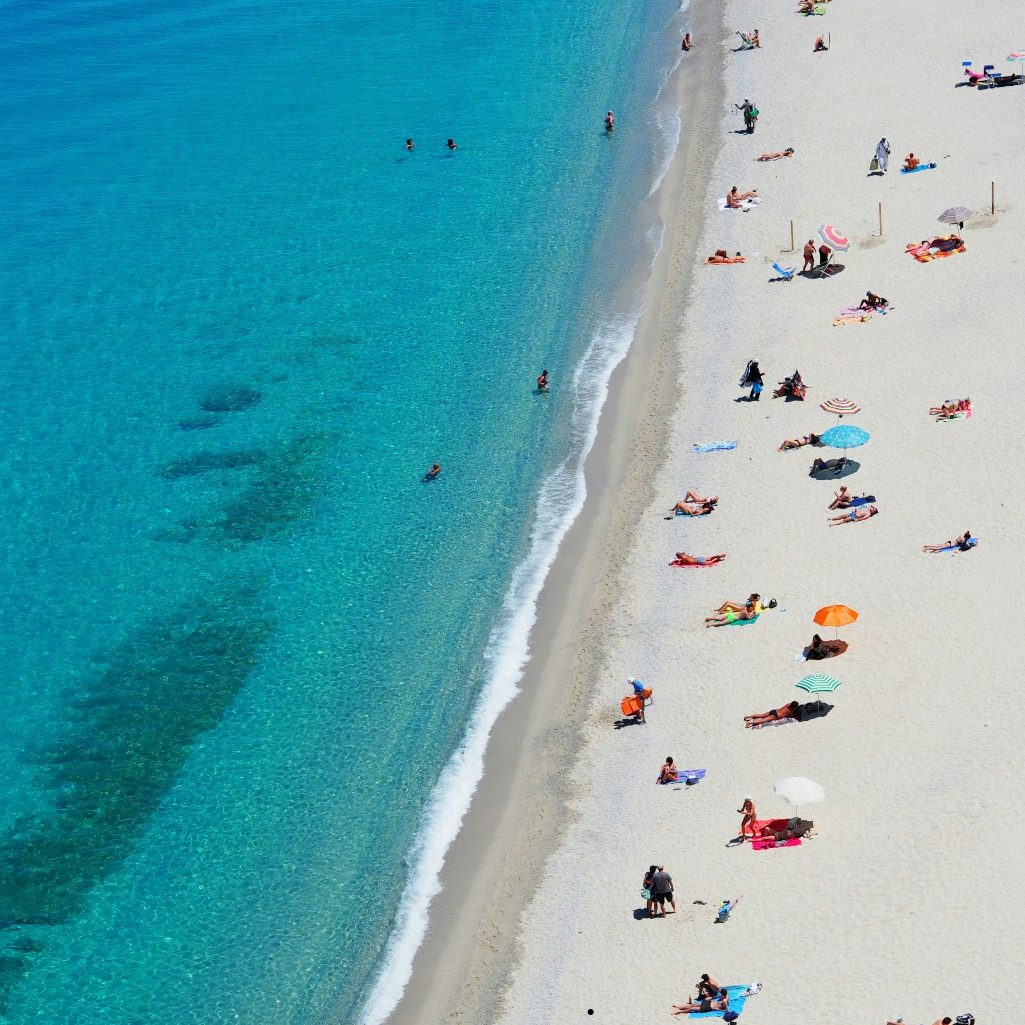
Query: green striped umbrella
{"points": [[818, 683]]}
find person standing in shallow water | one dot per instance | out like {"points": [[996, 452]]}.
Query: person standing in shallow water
{"points": [[610, 122], [542, 381], [409, 145], [451, 145]]}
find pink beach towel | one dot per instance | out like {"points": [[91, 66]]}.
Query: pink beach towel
{"points": [[773, 722], [762, 845]]}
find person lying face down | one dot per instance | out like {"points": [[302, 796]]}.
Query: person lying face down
{"points": [[787, 711], [683, 559], [963, 542]]}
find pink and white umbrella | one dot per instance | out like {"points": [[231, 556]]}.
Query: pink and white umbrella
{"points": [[834, 238]]}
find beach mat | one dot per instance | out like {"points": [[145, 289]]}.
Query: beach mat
{"points": [[772, 722], [737, 1001], [915, 170], [719, 446], [972, 542], [686, 776]]}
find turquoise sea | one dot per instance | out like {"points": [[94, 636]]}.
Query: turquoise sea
{"points": [[241, 640]]}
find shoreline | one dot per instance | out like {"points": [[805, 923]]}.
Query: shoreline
{"points": [[521, 805]]}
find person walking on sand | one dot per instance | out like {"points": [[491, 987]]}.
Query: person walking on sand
{"points": [[809, 256], [662, 890], [883, 153], [747, 809], [610, 122]]}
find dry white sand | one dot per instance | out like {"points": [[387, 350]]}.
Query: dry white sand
{"points": [[907, 902]]}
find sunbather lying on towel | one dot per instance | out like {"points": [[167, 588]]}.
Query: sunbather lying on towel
{"points": [[788, 152], [693, 496], [729, 618], [705, 1006], [806, 439], [853, 515], [819, 649], [788, 711], [935, 247], [686, 509], [836, 465], [735, 606], [794, 828], [683, 559], [721, 257], [734, 198], [961, 542], [950, 407]]}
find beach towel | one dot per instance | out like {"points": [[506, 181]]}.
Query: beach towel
{"points": [[724, 259], [738, 997], [686, 776], [921, 167], [857, 311], [935, 248], [963, 414], [850, 319], [719, 446], [745, 204], [744, 622], [972, 542], [773, 722], [765, 845]]}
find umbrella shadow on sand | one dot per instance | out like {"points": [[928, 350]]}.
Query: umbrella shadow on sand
{"points": [[834, 269], [831, 473]]}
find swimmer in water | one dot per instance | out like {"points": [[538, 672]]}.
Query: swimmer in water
{"points": [[433, 472], [610, 122], [451, 145], [542, 381], [409, 145]]}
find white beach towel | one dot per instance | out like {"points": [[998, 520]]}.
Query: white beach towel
{"points": [[745, 206]]}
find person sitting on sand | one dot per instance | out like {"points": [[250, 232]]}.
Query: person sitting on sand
{"points": [[433, 472], [827, 464], [853, 515], [735, 199], [669, 772], [819, 45], [721, 1003], [788, 711], [788, 152], [807, 439], [959, 542], [733, 606], [950, 407], [707, 988], [683, 559], [792, 386], [842, 499], [873, 302], [911, 162], [746, 613], [819, 649], [687, 44]]}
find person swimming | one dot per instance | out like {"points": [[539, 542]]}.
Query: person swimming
{"points": [[410, 144], [433, 472], [542, 381], [451, 144]]}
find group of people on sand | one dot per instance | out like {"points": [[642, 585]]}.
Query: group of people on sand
{"points": [[733, 612], [809, 256], [711, 997]]}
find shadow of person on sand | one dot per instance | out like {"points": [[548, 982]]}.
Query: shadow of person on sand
{"points": [[630, 720]]}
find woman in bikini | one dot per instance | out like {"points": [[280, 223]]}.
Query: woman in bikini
{"points": [[669, 772], [704, 505], [706, 1005], [736, 198], [733, 606], [788, 711], [729, 618], [960, 542], [853, 515], [788, 152], [683, 559], [747, 809], [842, 500], [807, 439]]}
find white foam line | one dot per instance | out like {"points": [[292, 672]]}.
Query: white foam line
{"points": [[559, 503]]}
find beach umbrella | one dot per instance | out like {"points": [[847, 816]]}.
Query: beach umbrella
{"points": [[1018, 57], [834, 238], [799, 791], [844, 436], [842, 407], [818, 683], [955, 215], [835, 616]]}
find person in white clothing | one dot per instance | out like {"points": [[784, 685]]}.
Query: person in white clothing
{"points": [[883, 153]]}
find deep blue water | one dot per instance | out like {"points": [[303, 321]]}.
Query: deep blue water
{"points": [[241, 639]]}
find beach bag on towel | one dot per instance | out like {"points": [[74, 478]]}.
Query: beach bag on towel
{"points": [[731, 1016], [874, 166], [965, 1019]]}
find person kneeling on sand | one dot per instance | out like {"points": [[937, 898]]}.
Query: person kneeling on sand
{"points": [[669, 772], [683, 559], [788, 711], [853, 515], [807, 439], [722, 1003], [729, 618]]}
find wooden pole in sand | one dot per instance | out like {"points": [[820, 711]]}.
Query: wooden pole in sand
{"points": [[791, 236], [992, 198], [880, 220]]}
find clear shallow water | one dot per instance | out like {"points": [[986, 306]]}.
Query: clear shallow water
{"points": [[241, 640]]}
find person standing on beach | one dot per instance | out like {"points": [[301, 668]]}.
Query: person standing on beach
{"points": [[610, 122], [646, 885], [809, 256], [883, 153], [662, 890], [747, 809], [750, 114]]}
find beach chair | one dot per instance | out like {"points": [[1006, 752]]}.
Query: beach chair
{"points": [[786, 273], [747, 42]]}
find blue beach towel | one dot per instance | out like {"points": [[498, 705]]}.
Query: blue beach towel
{"points": [[717, 447], [972, 542], [921, 167], [863, 501], [737, 1001], [686, 776]]}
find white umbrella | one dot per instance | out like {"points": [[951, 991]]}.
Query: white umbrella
{"points": [[798, 791]]}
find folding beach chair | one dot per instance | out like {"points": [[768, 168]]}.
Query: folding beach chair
{"points": [[748, 42], [786, 273]]}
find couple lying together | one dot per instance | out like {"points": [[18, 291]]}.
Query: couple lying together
{"points": [[951, 408], [733, 612], [694, 504]]}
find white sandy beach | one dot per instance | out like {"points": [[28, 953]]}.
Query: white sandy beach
{"points": [[906, 902]]}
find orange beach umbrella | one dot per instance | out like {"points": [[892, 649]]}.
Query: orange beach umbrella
{"points": [[835, 616]]}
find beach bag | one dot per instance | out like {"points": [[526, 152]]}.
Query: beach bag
{"points": [[965, 1019], [645, 894], [731, 1016], [874, 166]]}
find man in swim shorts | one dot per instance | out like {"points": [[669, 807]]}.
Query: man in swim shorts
{"points": [[705, 1006]]}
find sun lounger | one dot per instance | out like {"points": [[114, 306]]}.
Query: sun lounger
{"points": [[720, 446], [747, 43], [786, 273]]}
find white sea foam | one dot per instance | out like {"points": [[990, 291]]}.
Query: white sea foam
{"points": [[559, 502]]}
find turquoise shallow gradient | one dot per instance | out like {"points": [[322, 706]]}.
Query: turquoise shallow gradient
{"points": [[239, 637]]}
